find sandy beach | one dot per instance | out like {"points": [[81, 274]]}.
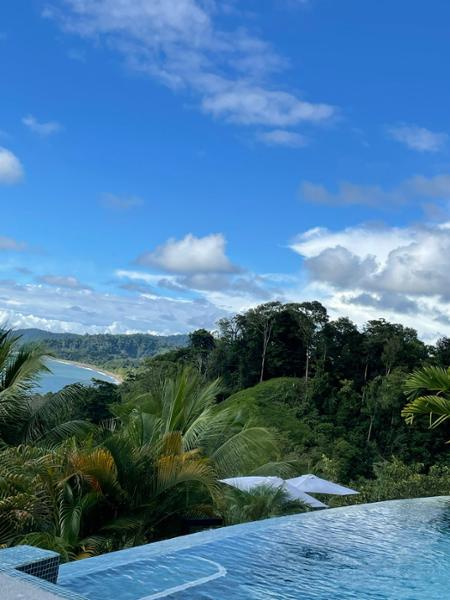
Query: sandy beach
{"points": [[117, 378]]}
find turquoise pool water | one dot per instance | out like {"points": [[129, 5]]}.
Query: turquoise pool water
{"points": [[390, 550]]}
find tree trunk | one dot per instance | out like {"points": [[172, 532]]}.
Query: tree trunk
{"points": [[369, 433], [263, 363], [307, 365], [366, 371], [266, 338]]}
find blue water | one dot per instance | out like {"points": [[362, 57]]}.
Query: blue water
{"points": [[63, 374], [397, 550]]}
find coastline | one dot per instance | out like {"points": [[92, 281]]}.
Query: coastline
{"points": [[118, 379]]}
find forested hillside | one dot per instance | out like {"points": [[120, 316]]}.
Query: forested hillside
{"points": [[109, 350], [332, 391]]}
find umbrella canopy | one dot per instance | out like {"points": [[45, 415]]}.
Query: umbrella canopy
{"points": [[246, 484], [316, 485], [296, 494]]}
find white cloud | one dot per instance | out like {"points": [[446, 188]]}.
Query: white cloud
{"points": [[190, 255], [179, 44], [362, 241], [281, 137], [120, 202], [11, 170], [418, 138], [363, 272], [383, 271], [41, 128], [63, 281]]}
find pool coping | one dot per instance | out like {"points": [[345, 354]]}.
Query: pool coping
{"points": [[31, 572]]}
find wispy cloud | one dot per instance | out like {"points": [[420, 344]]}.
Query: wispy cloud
{"points": [[11, 170], [418, 138], [226, 291], [348, 194], [253, 105], [42, 128], [76, 54], [413, 189], [140, 288], [7, 243], [231, 72], [120, 202], [281, 137], [62, 281], [59, 308]]}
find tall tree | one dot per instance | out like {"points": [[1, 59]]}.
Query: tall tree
{"points": [[201, 344]]}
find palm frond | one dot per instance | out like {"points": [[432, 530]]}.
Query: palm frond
{"points": [[186, 468], [430, 378], [428, 405], [244, 451], [49, 421], [22, 367]]}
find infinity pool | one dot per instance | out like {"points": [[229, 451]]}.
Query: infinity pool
{"points": [[390, 550]]}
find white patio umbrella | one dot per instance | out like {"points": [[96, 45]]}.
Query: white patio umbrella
{"points": [[316, 485], [246, 484]]}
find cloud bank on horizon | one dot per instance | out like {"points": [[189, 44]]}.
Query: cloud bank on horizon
{"points": [[195, 158], [363, 272]]}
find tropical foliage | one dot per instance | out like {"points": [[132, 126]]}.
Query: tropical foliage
{"points": [[429, 392], [394, 480], [23, 418], [278, 390], [130, 479]]}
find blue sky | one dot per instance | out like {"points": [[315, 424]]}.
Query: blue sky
{"points": [[164, 163]]}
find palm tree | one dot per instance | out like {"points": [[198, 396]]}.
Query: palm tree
{"points": [[186, 405], [25, 418], [428, 390], [263, 502], [20, 367], [43, 500], [25, 493], [48, 421], [172, 444]]}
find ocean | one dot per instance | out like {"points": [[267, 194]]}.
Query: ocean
{"points": [[63, 374]]}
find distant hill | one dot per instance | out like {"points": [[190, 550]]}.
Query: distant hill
{"points": [[36, 335], [113, 350]]}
